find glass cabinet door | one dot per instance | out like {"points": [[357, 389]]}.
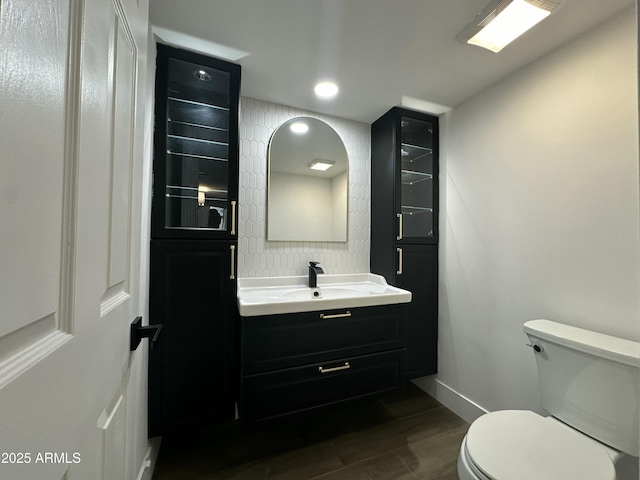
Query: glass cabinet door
{"points": [[416, 216], [196, 156]]}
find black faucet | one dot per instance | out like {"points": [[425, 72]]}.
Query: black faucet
{"points": [[314, 270]]}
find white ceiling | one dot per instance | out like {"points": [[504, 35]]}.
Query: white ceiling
{"points": [[378, 51]]}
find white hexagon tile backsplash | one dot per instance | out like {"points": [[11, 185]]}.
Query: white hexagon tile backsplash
{"points": [[258, 257]]}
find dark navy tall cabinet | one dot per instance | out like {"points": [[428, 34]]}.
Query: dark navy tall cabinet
{"points": [[192, 366], [404, 223]]}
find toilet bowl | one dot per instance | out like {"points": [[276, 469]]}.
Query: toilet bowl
{"points": [[590, 385], [522, 445]]}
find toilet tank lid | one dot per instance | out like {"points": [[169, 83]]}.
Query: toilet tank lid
{"points": [[594, 343]]}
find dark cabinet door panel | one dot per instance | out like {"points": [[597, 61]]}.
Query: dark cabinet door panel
{"points": [[191, 365], [292, 391], [195, 156], [420, 276], [404, 223], [279, 341]]}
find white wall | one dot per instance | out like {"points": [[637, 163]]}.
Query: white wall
{"points": [[339, 198], [291, 220], [258, 257], [539, 204]]}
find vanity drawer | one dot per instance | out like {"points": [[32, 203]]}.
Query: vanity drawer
{"points": [[273, 342], [301, 389]]}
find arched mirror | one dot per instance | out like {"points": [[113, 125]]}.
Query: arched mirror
{"points": [[307, 191]]}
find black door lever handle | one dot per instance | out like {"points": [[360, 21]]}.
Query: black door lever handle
{"points": [[138, 332]]}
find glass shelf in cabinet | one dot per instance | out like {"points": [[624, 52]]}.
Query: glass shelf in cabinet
{"points": [[177, 130], [182, 123], [194, 139], [201, 104], [195, 146], [212, 96], [181, 191], [411, 153], [410, 177], [200, 157], [180, 114], [413, 210]]}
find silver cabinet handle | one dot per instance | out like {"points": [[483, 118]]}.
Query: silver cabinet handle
{"points": [[399, 237], [233, 262], [233, 217], [399, 250], [324, 316], [346, 366]]}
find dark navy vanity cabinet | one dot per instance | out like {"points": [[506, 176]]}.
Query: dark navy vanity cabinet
{"points": [[404, 223], [302, 362], [193, 365], [195, 164]]}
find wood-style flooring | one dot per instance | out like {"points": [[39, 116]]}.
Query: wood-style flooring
{"points": [[408, 436]]}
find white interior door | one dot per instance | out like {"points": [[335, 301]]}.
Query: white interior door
{"points": [[72, 396]]}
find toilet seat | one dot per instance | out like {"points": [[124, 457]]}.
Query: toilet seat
{"points": [[518, 444], [467, 470]]}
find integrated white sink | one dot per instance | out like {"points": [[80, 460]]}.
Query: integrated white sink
{"points": [[322, 292], [273, 295]]}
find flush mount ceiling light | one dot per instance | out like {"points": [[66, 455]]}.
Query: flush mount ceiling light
{"points": [[322, 165], [326, 89], [299, 127], [502, 21]]}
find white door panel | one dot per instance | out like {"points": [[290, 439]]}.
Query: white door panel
{"points": [[72, 77], [32, 135]]}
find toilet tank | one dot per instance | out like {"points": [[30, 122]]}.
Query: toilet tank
{"points": [[590, 381]]}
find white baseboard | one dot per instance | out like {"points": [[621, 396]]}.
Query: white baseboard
{"points": [[453, 400], [150, 459]]}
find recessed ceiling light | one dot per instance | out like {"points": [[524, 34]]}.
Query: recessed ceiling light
{"points": [[326, 89], [299, 127]]}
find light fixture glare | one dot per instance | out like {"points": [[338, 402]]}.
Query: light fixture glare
{"points": [[299, 127], [501, 25], [202, 75], [321, 165], [326, 89]]}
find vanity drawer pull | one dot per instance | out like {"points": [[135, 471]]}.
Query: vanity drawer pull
{"points": [[324, 316], [346, 366]]}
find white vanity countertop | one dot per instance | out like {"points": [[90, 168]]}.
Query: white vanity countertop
{"points": [[274, 295]]}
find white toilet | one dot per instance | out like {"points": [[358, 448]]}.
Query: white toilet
{"points": [[590, 384]]}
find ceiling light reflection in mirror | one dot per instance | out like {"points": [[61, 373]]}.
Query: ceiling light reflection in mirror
{"points": [[307, 190]]}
